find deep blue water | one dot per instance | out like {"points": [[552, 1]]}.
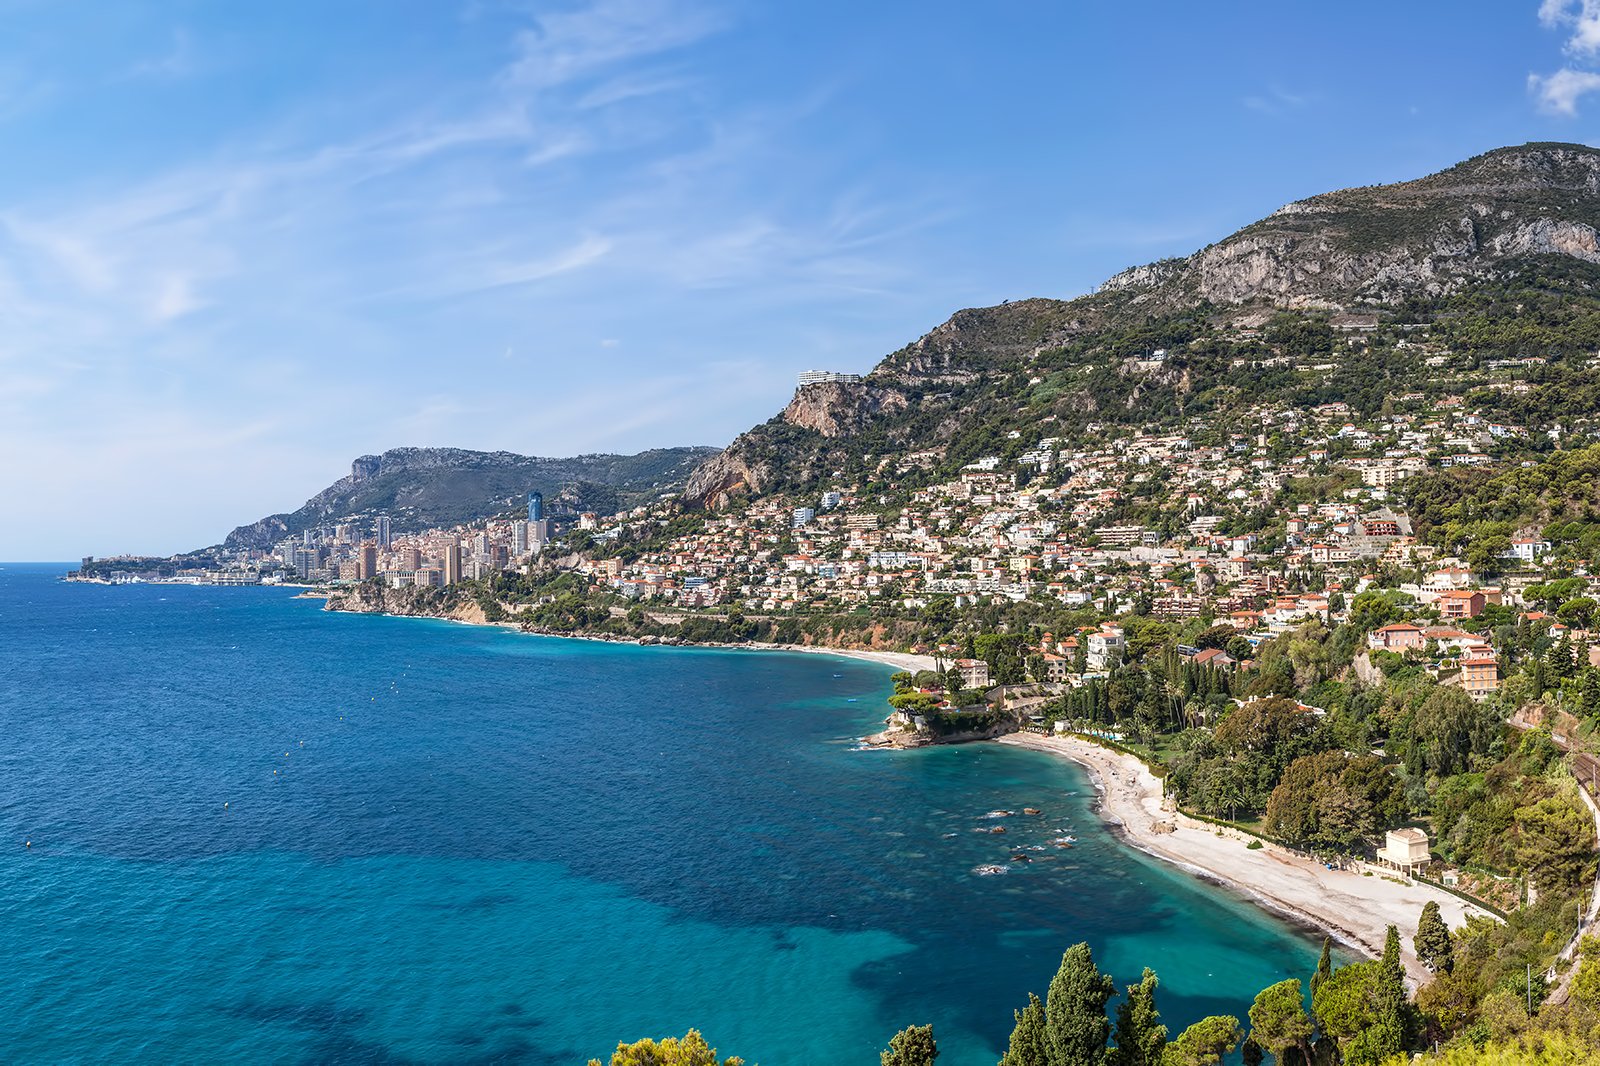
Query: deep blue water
{"points": [[264, 832]]}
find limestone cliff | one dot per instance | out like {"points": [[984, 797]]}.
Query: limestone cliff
{"points": [[949, 396]]}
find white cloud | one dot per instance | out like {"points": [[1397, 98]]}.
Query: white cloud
{"points": [[1559, 93], [1580, 17]]}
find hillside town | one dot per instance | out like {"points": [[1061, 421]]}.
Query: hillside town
{"points": [[1260, 531]]}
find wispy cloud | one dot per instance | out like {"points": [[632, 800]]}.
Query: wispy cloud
{"points": [[591, 184], [180, 60], [567, 46], [1561, 92], [1276, 101]]}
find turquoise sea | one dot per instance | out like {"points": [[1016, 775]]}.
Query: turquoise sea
{"points": [[262, 832]]}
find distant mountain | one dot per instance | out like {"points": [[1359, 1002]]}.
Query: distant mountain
{"points": [[425, 487], [1500, 253]]}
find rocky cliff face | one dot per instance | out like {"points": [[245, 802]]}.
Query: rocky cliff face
{"points": [[837, 409], [1384, 243], [407, 602], [1493, 215], [730, 473]]}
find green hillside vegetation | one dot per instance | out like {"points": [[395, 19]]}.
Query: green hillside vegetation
{"points": [[421, 488]]}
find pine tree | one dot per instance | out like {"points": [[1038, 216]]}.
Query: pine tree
{"points": [[1140, 1037], [1278, 1020], [1028, 1044], [1432, 941], [1075, 1010]]}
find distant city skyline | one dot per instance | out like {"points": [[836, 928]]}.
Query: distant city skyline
{"points": [[240, 246]]}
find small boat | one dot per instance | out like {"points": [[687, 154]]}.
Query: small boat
{"points": [[988, 869], [998, 829], [1031, 810]]}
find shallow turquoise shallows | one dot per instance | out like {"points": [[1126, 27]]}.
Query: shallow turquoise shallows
{"points": [[261, 832]]}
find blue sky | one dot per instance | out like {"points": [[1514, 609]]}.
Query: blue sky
{"points": [[241, 244]]}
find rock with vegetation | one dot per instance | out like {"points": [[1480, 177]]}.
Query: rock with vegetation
{"points": [[420, 488], [688, 1050], [911, 1046]]}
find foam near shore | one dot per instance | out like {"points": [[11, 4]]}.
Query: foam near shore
{"points": [[1355, 909]]}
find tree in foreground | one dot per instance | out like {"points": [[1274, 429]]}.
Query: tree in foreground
{"points": [[911, 1046], [1075, 1010], [1204, 1043], [1029, 1046], [1586, 982], [1140, 1038], [691, 1050], [1278, 1020], [1324, 967], [1433, 940], [1448, 1003]]}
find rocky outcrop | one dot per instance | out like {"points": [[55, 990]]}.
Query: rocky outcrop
{"points": [[1386, 243], [725, 475], [368, 598], [1507, 211], [838, 409]]}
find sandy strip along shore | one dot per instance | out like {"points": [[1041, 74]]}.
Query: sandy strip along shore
{"points": [[900, 659], [1355, 909]]}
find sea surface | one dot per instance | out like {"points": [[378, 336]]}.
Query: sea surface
{"points": [[235, 827]]}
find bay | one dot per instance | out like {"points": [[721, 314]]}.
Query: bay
{"points": [[233, 825]]}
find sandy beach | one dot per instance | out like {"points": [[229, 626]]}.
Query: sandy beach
{"points": [[1355, 909], [899, 659]]}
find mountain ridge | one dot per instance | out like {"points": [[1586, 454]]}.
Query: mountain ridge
{"points": [[1367, 249], [422, 487]]}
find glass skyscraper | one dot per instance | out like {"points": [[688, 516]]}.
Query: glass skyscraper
{"points": [[535, 506]]}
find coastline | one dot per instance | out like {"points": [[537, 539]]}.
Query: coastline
{"points": [[900, 660], [1354, 909]]}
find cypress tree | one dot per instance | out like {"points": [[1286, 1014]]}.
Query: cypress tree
{"points": [[1324, 968], [1028, 1044], [1393, 1032], [1075, 1010], [1140, 1037], [1561, 658], [1433, 940]]}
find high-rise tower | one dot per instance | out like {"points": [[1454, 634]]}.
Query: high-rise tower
{"points": [[535, 506]]}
